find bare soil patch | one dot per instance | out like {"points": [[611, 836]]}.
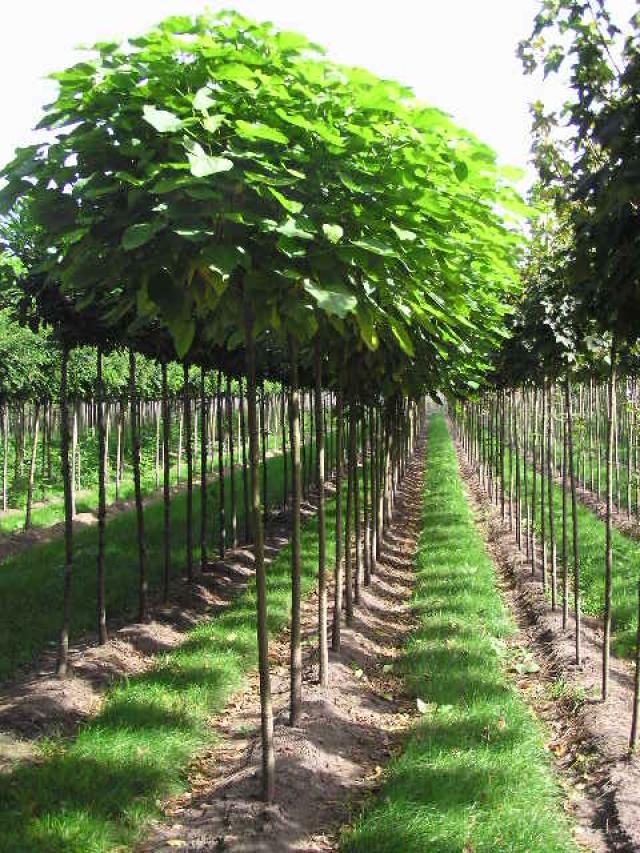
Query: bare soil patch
{"points": [[588, 737], [328, 764]]}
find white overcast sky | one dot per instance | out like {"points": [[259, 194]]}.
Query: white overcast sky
{"points": [[456, 54]]}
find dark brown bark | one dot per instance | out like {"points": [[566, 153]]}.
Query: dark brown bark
{"points": [[323, 648], [137, 484], [337, 608], [268, 758], [245, 470], [102, 506], [574, 518], [348, 527], [204, 448], [296, 564], [166, 483], [232, 468], [32, 465], [189, 457], [222, 527], [608, 555], [63, 646]]}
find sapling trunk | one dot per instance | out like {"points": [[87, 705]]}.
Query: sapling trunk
{"points": [[356, 516], [263, 436], [245, 470], [608, 557], [574, 519], [323, 650], [222, 531], [565, 523], [32, 465], [283, 439], [102, 504], [204, 448], [189, 458], [135, 444], [366, 557], [552, 520], [232, 468], [337, 609], [5, 456], [296, 564], [266, 710], [166, 483], [63, 645], [348, 563], [633, 739]]}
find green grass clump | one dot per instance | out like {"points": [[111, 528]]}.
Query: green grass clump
{"points": [[100, 789], [474, 775]]}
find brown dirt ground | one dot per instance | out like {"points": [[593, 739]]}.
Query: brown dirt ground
{"points": [[589, 738], [328, 764]]}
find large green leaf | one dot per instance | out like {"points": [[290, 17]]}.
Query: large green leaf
{"points": [[334, 299], [202, 164], [162, 120], [259, 130], [333, 233], [139, 234]]}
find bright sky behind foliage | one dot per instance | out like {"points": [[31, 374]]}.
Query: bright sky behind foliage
{"points": [[458, 55]]}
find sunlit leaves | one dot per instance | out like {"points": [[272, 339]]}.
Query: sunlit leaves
{"points": [[202, 164], [162, 120], [139, 234], [259, 130], [332, 232], [332, 298]]}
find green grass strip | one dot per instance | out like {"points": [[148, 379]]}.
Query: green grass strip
{"points": [[474, 775], [98, 791]]}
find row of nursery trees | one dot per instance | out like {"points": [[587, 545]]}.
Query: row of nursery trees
{"points": [[216, 193], [563, 400], [210, 402]]}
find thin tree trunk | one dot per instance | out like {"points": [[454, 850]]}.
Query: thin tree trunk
{"points": [[337, 609], [323, 648], [574, 518], [166, 482], [63, 646], [135, 443], [189, 455], [268, 758], [232, 468], [5, 456], [636, 686], [348, 563], [245, 472], [285, 462], [32, 465], [204, 448], [102, 503], [222, 531], [356, 515], [263, 432], [608, 556], [552, 519], [366, 469], [296, 566]]}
